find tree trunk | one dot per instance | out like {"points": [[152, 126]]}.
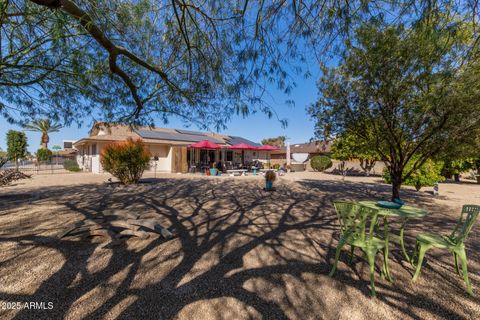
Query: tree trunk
{"points": [[396, 190], [367, 165], [396, 183], [341, 168], [45, 140], [16, 164], [456, 176], [418, 186]]}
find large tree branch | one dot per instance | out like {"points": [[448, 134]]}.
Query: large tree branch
{"points": [[113, 50], [427, 137]]}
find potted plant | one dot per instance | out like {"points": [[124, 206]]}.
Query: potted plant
{"points": [[213, 170], [270, 176]]}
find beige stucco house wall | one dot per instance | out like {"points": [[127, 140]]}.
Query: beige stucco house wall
{"points": [[169, 145]]}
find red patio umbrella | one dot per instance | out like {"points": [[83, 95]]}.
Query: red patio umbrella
{"points": [[205, 144], [242, 146]]}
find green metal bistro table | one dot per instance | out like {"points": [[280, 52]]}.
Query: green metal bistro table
{"points": [[404, 213]]}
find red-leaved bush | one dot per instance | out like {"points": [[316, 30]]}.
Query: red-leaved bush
{"points": [[126, 160]]}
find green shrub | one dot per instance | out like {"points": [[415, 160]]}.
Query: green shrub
{"points": [[44, 155], [425, 176], [276, 166], [71, 165], [126, 160], [3, 161], [455, 168], [320, 163]]}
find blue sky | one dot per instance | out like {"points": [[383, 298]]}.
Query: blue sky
{"points": [[255, 127]]}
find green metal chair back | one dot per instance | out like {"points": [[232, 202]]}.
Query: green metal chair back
{"points": [[346, 213], [355, 220], [465, 223]]}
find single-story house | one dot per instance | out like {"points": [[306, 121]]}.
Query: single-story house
{"points": [[316, 148], [168, 147]]}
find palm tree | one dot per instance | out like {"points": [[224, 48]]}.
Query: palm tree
{"points": [[44, 126]]}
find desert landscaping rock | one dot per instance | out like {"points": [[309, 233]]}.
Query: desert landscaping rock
{"points": [[237, 252]]}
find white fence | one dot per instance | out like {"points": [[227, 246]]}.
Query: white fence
{"points": [[29, 167]]}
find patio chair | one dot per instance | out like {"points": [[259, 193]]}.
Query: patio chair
{"points": [[354, 222], [454, 243]]}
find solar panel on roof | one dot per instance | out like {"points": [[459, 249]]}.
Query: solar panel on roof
{"points": [[174, 136], [236, 140], [198, 133]]}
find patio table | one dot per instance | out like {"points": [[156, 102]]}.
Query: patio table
{"points": [[242, 172], [404, 213]]}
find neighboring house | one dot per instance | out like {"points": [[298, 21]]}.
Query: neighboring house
{"points": [[68, 144], [168, 146], [321, 148], [311, 148], [68, 151]]}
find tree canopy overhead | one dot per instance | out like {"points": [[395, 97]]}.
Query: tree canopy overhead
{"points": [[131, 61], [278, 142], [407, 91], [134, 61]]}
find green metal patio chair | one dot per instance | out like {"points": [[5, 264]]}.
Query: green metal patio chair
{"points": [[354, 222], [454, 242]]}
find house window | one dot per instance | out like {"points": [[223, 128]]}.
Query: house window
{"points": [[229, 156], [67, 145], [94, 149]]}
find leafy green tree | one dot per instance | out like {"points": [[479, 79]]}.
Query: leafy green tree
{"points": [[278, 142], [44, 126], [455, 168], [343, 152], [461, 158], [3, 154], [426, 175], [16, 146], [44, 155], [349, 146], [412, 89]]}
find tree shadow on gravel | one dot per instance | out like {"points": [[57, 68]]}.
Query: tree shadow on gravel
{"points": [[238, 252]]}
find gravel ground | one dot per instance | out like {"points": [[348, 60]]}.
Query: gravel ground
{"points": [[239, 252]]}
